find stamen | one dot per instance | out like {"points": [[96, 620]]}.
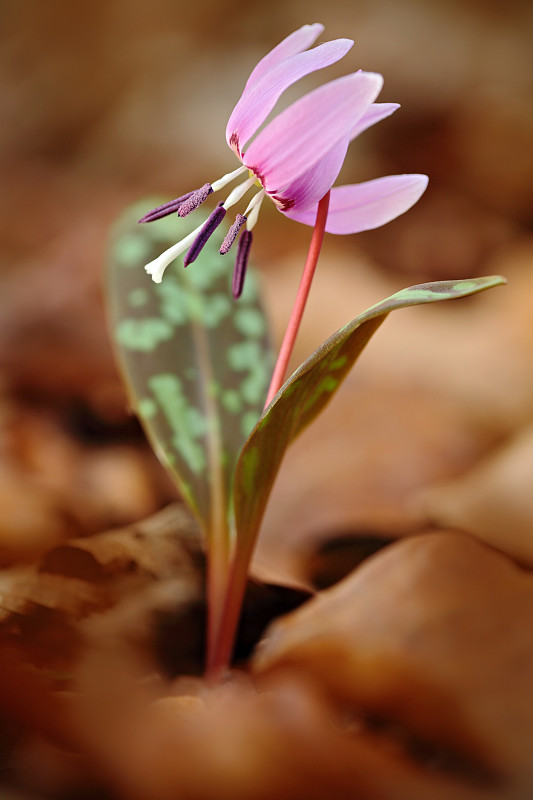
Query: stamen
{"points": [[199, 197], [252, 212], [195, 200], [232, 234], [157, 267], [165, 209], [241, 262], [239, 192], [228, 178], [207, 229]]}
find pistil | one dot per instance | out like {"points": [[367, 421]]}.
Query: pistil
{"points": [[157, 267], [252, 211], [238, 192]]}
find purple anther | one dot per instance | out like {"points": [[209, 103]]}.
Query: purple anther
{"points": [[194, 200], [165, 209], [241, 262], [232, 234], [208, 228]]}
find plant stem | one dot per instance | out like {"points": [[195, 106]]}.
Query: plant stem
{"points": [[221, 650], [217, 589], [236, 589], [287, 345]]}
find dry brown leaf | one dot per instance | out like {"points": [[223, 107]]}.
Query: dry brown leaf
{"points": [[136, 570], [24, 588], [493, 501], [161, 546], [427, 646]]}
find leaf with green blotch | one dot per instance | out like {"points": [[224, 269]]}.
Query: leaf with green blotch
{"points": [[306, 393], [197, 363]]}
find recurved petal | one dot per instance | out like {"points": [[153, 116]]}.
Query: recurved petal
{"points": [[375, 113], [302, 134], [363, 206], [312, 185], [258, 100], [297, 41]]}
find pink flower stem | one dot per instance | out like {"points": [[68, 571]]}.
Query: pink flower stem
{"points": [[293, 326], [222, 648]]}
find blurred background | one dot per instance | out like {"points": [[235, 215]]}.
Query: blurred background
{"points": [[104, 102]]}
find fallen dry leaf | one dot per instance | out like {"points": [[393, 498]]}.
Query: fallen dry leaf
{"points": [[493, 501], [426, 646]]}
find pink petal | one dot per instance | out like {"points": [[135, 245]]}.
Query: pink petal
{"points": [[375, 113], [312, 185], [259, 99], [303, 133], [363, 206], [297, 41]]}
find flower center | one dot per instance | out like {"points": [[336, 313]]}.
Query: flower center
{"points": [[257, 180], [196, 240]]}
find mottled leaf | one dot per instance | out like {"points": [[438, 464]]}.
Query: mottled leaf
{"points": [[197, 363], [306, 393]]}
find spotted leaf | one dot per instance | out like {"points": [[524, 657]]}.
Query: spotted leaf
{"points": [[196, 363]]}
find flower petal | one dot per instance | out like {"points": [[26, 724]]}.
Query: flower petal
{"points": [[303, 133], [363, 206], [312, 185], [296, 42], [259, 99], [375, 113]]}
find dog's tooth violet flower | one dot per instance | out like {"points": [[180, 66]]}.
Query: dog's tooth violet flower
{"points": [[297, 157]]}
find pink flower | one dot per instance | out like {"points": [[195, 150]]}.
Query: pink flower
{"points": [[297, 157]]}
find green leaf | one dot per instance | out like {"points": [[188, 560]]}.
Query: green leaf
{"points": [[196, 363], [306, 393]]}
